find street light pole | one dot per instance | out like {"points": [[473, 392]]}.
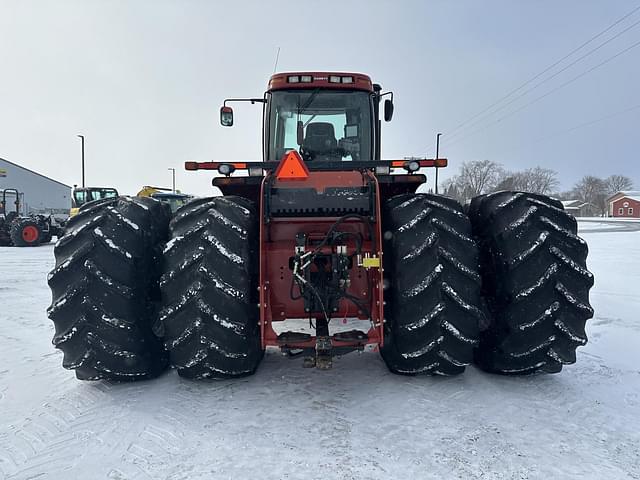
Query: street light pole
{"points": [[173, 179], [437, 153], [82, 138]]}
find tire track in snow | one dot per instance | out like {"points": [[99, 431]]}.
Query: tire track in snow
{"points": [[334, 433], [56, 435], [167, 441]]}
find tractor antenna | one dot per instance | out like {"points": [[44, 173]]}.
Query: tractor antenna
{"points": [[275, 66]]}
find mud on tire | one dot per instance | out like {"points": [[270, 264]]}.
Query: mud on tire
{"points": [[432, 312], [209, 318], [535, 283], [104, 284]]}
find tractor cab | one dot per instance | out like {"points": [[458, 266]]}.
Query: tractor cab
{"points": [[326, 117], [332, 121], [321, 125], [7, 211], [84, 195]]}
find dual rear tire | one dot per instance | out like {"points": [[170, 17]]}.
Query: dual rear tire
{"points": [[111, 275], [503, 285]]}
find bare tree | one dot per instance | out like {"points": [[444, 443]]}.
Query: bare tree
{"points": [[478, 177], [450, 188], [542, 180], [617, 183], [510, 181], [592, 190], [534, 180]]}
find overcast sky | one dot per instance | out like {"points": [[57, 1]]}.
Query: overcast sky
{"points": [[144, 80]]}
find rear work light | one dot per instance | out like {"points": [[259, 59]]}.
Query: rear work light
{"points": [[347, 79], [226, 169], [293, 79], [412, 166], [334, 79], [306, 78]]}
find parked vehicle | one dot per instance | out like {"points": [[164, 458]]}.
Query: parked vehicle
{"points": [[175, 200], [82, 195], [321, 228], [24, 231]]}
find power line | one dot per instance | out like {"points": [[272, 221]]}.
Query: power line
{"points": [[582, 125], [502, 107], [535, 77], [535, 100]]}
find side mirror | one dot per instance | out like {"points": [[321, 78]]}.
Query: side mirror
{"points": [[388, 110], [226, 116]]}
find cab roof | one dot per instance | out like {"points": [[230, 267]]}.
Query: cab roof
{"points": [[328, 80]]}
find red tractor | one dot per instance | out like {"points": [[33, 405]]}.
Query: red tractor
{"points": [[321, 249]]}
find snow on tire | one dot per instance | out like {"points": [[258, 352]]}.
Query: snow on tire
{"points": [[535, 283], [104, 283], [209, 318], [433, 299]]}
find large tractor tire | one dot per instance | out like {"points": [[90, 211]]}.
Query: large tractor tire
{"points": [[209, 318], [26, 232], [104, 286], [433, 299], [535, 283]]}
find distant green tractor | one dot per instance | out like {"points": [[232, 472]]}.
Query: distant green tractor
{"points": [[89, 194]]}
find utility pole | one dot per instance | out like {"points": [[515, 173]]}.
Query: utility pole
{"points": [[82, 138], [173, 179], [437, 153]]}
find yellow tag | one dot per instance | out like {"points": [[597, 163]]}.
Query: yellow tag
{"points": [[371, 262]]}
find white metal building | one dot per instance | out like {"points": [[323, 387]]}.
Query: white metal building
{"points": [[38, 194]]}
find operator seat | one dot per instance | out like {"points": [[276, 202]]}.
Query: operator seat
{"points": [[320, 141]]}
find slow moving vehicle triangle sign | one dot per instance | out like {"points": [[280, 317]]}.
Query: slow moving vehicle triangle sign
{"points": [[292, 167]]}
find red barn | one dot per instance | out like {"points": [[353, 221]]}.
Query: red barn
{"points": [[625, 204]]}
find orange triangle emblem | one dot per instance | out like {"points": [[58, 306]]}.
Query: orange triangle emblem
{"points": [[292, 167]]}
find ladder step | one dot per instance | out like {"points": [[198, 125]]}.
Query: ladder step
{"points": [[350, 336], [293, 337]]}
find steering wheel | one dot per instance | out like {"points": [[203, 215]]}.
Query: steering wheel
{"points": [[9, 217]]}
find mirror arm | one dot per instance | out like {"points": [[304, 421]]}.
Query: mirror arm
{"points": [[252, 100]]}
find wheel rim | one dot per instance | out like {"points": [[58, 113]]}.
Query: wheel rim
{"points": [[30, 234]]}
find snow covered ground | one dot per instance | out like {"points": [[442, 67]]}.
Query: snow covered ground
{"points": [[355, 421], [611, 224]]}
